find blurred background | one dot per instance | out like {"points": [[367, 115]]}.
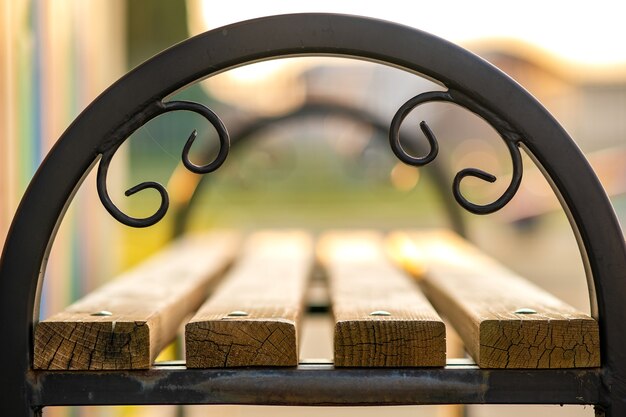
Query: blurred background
{"points": [[317, 155]]}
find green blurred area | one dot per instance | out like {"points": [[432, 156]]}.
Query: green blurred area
{"points": [[289, 182]]}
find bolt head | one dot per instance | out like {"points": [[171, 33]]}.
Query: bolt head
{"points": [[525, 311], [238, 313], [102, 313], [380, 313]]}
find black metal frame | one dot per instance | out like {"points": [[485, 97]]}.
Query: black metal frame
{"points": [[316, 384], [138, 96]]}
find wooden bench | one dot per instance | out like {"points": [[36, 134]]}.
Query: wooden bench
{"points": [[242, 343], [381, 317]]}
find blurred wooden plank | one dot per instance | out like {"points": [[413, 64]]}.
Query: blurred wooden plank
{"points": [[253, 317], [381, 318], [504, 320], [125, 324]]}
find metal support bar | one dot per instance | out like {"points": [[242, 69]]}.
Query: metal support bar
{"points": [[316, 385]]}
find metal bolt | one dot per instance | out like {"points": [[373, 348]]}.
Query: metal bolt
{"points": [[380, 313], [102, 313], [237, 313], [525, 311]]}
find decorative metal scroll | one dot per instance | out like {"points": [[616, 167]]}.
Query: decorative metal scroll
{"points": [[511, 137], [508, 134], [118, 137]]}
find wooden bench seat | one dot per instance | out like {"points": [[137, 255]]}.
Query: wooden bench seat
{"points": [[381, 317], [253, 318], [503, 320], [126, 323]]}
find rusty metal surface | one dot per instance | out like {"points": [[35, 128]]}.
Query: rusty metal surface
{"points": [[315, 384]]}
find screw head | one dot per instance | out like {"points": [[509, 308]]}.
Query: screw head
{"points": [[380, 313], [237, 313], [525, 311], [102, 313]]}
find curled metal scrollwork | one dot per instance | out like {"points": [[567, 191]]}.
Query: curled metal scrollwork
{"points": [[134, 124], [508, 134]]}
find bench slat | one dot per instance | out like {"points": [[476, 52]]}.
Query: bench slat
{"points": [[363, 281], [141, 310], [492, 308], [268, 284]]}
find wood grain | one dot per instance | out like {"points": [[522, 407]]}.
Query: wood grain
{"points": [[268, 283], [147, 305], [362, 281], [481, 297]]}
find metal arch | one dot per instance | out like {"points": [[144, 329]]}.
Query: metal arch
{"points": [[52, 188], [318, 108]]}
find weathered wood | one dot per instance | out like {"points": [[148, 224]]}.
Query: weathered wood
{"points": [[125, 323], [253, 317], [492, 308], [364, 287]]}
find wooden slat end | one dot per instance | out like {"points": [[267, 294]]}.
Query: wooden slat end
{"points": [[390, 343], [92, 345], [235, 343], [539, 343]]}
